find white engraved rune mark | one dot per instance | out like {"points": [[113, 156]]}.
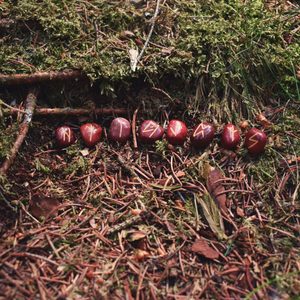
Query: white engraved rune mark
{"points": [[232, 131], [150, 127], [177, 129], [253, 140], [200, 130], [66, 133], [121, 130], [173, 131], [91, 132]]}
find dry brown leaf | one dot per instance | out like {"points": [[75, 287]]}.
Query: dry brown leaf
{"points": [[179, 205], [127, 34], [180, 174], [93, 223], [140, 255], [212, 214], [244, 124], [201, 247], [136, 211], [261, 119], [136, 235], [216, 189], [43, 206], [240, 212]]}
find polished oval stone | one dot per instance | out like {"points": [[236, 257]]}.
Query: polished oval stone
{"points": [[255, 141], [150, 132], [230, 137], [64, 136], [202, 135], [119, 130], [91, 133], [176, 132]]}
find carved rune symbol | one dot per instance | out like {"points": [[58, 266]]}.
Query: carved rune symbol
{"points": [[232, 131], [91, 132], [122, 123], [200, 130], [173, 131], [66, 133], [177, 129], [151, 127], [253, 140]]}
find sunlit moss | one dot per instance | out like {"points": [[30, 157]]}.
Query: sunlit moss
{"points": [[240, 48]]}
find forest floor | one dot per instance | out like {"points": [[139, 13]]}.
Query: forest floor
{"points": [[126, 222], [117, 222]]}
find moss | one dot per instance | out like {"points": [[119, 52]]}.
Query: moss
{"points": [[239, 48], [7, 136], [77, 165], [40, 167]]}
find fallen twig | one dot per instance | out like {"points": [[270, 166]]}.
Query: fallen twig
{"points": [[7, 202], [30, 106], [133, 128], [127, 223], [149, 35], [15, 79], [70, 111], [8, 111], [36, 256]]}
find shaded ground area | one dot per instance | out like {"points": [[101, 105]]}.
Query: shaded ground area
{"points": [[116, 222]]}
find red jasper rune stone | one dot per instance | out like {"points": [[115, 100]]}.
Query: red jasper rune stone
{"points": [[91, 133], [64, 136], [176, 132], [230, 137], [202, 135], [255, 141], [150, 132], [119, 130]]}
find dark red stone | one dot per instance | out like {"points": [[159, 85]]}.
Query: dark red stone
{"points": [[230, 137], [119, 130], [91, 133], [255, 141], [176, 132], [64, 136], [202, 135], [150, 132]]}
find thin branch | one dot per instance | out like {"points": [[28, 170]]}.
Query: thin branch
{"points": [[149, 35], [10, 108], [69, 111], [7, 202], [15, 79], [133, 127], [24, 127]]}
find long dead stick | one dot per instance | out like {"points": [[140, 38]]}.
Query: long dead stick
{"points": [[70, 111], [30, 106], [16, 79]]}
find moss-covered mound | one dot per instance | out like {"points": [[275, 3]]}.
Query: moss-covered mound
{"points": [[228, 49]]}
